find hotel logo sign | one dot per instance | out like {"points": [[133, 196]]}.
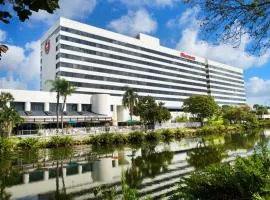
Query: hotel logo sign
{"points": [[187, 56]]}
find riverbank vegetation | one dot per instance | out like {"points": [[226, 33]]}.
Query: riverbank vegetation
{"points": [[117, 139], [246, 178]]}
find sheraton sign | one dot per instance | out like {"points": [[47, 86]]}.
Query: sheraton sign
{"points": [[187, 56]]}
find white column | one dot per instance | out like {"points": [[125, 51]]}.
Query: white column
{"points": [[27, 106], [65, 108], [25, 178], [80, 169], [114, 116], [79, 107], [46, 175], [46, 106]]}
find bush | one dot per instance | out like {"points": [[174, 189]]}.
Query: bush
{"points": [[29, 143], [182, 118], [152, 136], [6, 145], [247, 177], [179, 133], [119, 138], [60, 141], [167, 135], [136, 137], [102, 139]]}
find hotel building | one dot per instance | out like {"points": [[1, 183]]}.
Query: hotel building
{"points": [[101, 63], [98, 61]]}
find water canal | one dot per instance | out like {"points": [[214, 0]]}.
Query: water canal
{"points": [[83, 172]]}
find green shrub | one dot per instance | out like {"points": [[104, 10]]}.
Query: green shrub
{"points": [[182, 118], [60, 141], [119, 138], [179, 133], [247, 177], [167, 135], [136, 137], [6, 145], [29, 143], [102, 139], [152, 136]]}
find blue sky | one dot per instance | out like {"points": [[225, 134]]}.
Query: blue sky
{"points": [[175, 24]]}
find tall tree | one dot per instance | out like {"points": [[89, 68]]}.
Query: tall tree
{"points": [[203, 106], [129, 100], [9, 118], [231, 21], [67, 90], [150, 112], [57, 85]]}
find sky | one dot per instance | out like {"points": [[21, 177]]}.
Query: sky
{"points": [[174, 23]]}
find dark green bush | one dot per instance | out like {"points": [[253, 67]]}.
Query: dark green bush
{"points": [[119, 138], [60, 141], [30, 143], [6, 145], [102, 139], [167, 135], [136, 137], [242, 180], [152, 136], [179, 133]]}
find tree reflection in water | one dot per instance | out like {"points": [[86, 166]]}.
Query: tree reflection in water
{"points": [[201, 157], [149, 164], [9, 175]]}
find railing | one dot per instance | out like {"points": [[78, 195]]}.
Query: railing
{"points": [[97, 130]]}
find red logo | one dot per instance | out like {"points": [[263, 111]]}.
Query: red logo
{"points": [[187, 56], [47, 46]]}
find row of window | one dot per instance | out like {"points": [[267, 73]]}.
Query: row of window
{"points": [[226, 79], [225, 70], [119, 88], [224, 74], [20, 106], [227, 84], [103, 62], [114, 49], [123, 73], [119, 80], [132, 60], [98, 37]]}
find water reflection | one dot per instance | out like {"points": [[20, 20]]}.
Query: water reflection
{"points": [[89, 173]]}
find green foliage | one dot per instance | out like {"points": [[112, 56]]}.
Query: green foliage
{"points": [[211, 130], [182, 118], [203, 106], [128, 193], [60, 141], [6, 145], [150, 112], [241, 115], [260, 110], [167, 135], [30, 143], [24, 8], [136, 137], [152, 137], [129, 100], [246, 177], [9, 118]]}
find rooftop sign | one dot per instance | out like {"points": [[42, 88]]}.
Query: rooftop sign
{"points": [[187, 56]]}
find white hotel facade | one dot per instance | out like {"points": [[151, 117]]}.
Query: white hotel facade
{"points": [[101, 63]]}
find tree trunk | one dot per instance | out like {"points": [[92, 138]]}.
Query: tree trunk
{"points": [[63, 180], [9, 129], [57, 180], [57, 111], [62, 113]]}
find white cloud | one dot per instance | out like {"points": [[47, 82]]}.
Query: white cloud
{"points": [[2, 35], [155, 3], [134, 23], [258, 91], [71, 9], [22, 66], [225, 53]]}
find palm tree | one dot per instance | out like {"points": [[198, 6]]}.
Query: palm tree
{"points": [[129, 100], [58, 87], [67, 90]]}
